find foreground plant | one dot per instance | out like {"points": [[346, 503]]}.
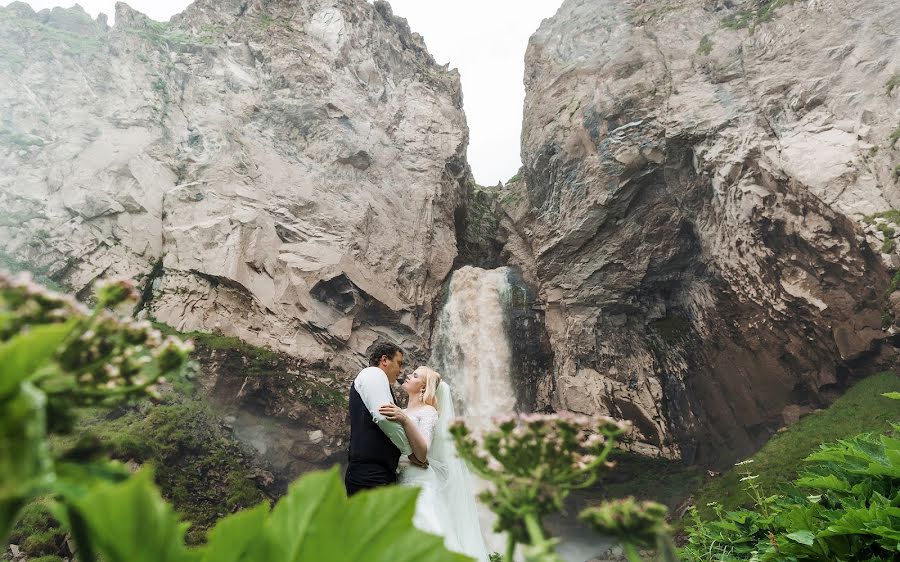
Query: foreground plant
{"points": [[534, 462], [56, 355], [635, 524], [843, 507]]}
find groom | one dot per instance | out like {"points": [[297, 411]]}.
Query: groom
{"points": [[376, 443]]}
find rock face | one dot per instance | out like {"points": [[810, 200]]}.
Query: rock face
{"points": [[284, 172], [695, 177]]}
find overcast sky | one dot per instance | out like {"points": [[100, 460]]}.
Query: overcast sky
{"points": [[484, 39]]}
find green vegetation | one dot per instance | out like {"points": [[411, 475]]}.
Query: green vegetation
{"points": [[160, 34], [59, 358], [859, 410], [200, 470], [706, 46], [268, 21], [258, 362], [892, 83], [891, 215], [896, 173], [261, 359], [38, 533], [518, 175], [44, 36], [894, 137], [41, 274], [668, 482], [760, 12], [842, 507]]}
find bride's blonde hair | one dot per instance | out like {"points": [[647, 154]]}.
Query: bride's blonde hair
{"points": [[432, 381]]}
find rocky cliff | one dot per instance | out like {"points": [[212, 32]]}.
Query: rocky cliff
{"points": [[285, 172], [691, 208]]}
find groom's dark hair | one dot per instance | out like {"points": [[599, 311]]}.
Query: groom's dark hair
{"points": [[382, 349]]}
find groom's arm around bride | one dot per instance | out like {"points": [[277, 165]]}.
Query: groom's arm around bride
{"points": [[376, 443]]}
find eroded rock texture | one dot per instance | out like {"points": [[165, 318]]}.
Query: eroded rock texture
{"points": [[691, 207], [286, 172]]}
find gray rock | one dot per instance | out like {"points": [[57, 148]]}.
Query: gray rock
{"points": [[260, 151], [696, 238]]}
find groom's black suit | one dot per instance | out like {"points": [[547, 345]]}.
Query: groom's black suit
{"points": [[373, 458], [373, 455]]}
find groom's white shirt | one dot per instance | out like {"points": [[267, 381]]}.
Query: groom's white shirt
{"points": [[373, 387]]}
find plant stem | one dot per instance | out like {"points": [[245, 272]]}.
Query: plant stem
{"points": [[510, 547], [631, 552], [534, 529]]}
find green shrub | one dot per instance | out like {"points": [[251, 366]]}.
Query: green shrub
{"points": [[705, 47], [758, 13], [841, 508], [892, 83], [894, 136]]}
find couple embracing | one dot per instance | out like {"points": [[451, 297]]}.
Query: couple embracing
{"points": [[381, 434]]}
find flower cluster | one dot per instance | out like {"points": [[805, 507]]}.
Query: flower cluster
{"points": [[535, 461], [24, 304], [104, 358], [630, 521]]}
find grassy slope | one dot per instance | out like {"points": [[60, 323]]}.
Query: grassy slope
{"points": [[862, 409]]}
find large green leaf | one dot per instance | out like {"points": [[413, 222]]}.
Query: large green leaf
{"points": [[803, 537], [130, 522], [21, 356], [25, 463], [238, 537], [316, 521]]}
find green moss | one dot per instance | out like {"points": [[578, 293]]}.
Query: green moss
{"points": [[40, 274], [761, 12], [895, 283], [45, 36], [891, 215], [892, 83], [894, 137], [861, 409], [258, 362], [37, 532], [706, 46], [888, 246], [199, 469]]}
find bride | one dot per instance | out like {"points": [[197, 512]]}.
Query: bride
{"points": [[445, 506]]}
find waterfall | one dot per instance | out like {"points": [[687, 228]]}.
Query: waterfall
{"points": [[471, 347]]}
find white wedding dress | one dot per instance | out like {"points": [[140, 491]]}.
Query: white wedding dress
{"points": [[446, 505]]}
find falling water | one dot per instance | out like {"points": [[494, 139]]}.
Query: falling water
{"points": [[471, 346]]}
